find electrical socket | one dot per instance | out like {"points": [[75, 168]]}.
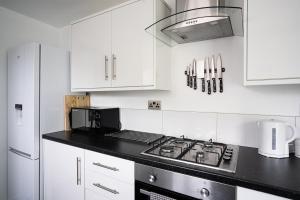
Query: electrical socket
{"points": [[154, 105]]}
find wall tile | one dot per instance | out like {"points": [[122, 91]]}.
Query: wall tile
{"points": [[191, 124], [242, 129], [141, 120], [298, 126]]}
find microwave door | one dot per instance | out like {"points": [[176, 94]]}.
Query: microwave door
{"points": [[78, 118]]}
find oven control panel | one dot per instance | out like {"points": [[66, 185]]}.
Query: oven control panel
{"points": [[184, 184]]}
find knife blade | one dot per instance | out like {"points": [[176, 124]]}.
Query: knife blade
{"points": [[219, 65], [207, 75], [200, 73], [212, 71]]}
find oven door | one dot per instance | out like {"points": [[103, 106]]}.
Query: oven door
{"points": [[149, 192]]}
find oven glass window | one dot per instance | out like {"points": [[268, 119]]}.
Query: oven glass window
{"points": [[148, 192]]}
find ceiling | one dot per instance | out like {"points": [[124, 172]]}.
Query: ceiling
{"points": [[58, 13]]}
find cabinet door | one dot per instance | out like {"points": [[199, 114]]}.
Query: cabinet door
{"points": [[91, 50], [90, 195], [273, 40], [63, 172], [132, 47], [246, 194]]}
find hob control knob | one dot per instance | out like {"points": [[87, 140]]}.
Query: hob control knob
{"points": [[152, 178], [204, 192]]}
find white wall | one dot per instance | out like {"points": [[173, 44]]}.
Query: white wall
{"points": [[229, 117], [16, 29], [263, 100]]}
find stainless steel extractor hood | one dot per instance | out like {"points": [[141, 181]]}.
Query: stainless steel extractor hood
{"points": [[197, 20]]}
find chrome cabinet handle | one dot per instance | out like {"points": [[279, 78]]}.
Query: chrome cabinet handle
{"points": [[114, 68], [78, 171], [105, 188], [106, 167], [106, 70]]}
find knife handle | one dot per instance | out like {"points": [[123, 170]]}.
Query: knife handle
{"points": [[191, 81], [188, 80], [214, 85], [203, 84], [208, 88], [221, 85], [195, 82]]}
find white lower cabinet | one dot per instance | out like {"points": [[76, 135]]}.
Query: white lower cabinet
{"points": [[91, 195], [78, 174], [247, 194], [109, 187], [63, 172], [108, 176]]}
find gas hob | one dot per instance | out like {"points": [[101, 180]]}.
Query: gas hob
{"points": [[207, 154]]}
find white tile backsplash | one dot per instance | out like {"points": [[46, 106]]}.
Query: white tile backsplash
{"points": [[242, 129], [227, 128], [194, 125], [298, 126], [141, 120]]}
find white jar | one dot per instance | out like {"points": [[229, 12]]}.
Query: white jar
{"points": [[297, 147]]}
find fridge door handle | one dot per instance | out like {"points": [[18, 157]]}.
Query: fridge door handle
{"points": [[78, 171], [20, 153]]}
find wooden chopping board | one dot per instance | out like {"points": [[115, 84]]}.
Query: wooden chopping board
{"points": [[74, 101]]}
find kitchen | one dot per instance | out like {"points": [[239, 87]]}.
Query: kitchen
{"points": [[255, 88]]}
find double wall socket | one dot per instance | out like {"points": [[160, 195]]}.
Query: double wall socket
{"points": [[154, 105]]}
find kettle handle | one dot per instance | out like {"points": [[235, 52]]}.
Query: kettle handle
{"points": [[293, 137]]}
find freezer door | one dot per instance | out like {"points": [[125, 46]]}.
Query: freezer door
{"points": [[23, 178], [23, 99]]}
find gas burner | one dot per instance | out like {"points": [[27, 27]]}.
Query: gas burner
{"points": [[167, 149], [208, 144], [179, 141], [201, 153]]}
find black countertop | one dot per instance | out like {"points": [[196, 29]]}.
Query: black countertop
{"points": [[276, 176]]}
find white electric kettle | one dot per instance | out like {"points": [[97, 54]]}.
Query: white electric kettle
{"points": [[274, 138]]}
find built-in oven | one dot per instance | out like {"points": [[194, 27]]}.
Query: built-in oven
{"points": [[158, 184]]}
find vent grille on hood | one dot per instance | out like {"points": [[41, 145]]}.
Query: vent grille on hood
{"points": [[197, 20]]}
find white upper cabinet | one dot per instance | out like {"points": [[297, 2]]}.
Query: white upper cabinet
{"points": [[132, 47], [272, 42], [91, 50], [112, 51]]}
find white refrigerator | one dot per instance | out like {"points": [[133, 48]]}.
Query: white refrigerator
{"points": [[38, 79]]}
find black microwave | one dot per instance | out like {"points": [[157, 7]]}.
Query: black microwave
{"points": [[95, 119]]}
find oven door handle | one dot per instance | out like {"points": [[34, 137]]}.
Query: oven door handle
{"points": [[145, 192]]}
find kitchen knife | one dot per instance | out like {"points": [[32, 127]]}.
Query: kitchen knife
{"points": [[212, 71], [220, 71], [186, 72], [195, 74], [191, 75], [206, 75], [200, 73]]}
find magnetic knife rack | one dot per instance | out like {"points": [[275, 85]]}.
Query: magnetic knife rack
{"points": [[208, 71]]}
